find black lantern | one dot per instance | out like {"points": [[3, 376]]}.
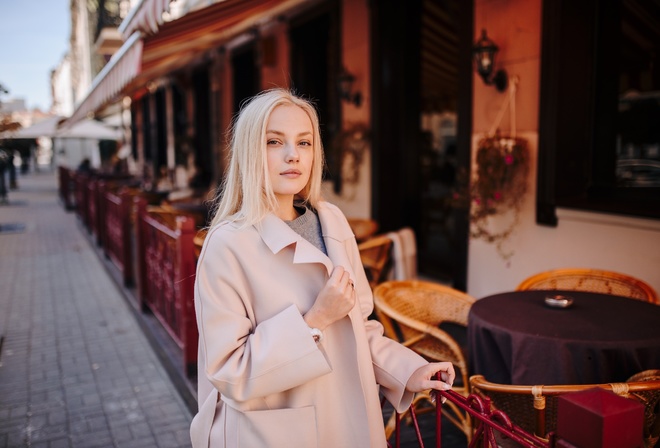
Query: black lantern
{"points": [[345, 84], [484, 52]]}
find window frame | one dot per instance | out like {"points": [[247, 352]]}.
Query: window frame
{"points": [[578, 113]]}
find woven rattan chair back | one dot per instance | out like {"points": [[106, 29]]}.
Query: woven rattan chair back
{"points": [[376, 256], [534, 408], [412, 311], [591, 280], [650, 398], [363, 228]]}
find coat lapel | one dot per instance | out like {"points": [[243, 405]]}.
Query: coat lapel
{"points": [[277, 235], [336, 232]]}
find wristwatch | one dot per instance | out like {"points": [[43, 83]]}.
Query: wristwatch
{"points": [[316, 334]]}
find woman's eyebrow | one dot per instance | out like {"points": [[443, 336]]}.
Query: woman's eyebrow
{"points": [[272, 131]]}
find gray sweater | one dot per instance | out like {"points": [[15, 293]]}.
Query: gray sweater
{"points": [[308, 226]]}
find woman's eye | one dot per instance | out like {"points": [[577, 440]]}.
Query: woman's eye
{"points": [[305, 143], [272, 142]]}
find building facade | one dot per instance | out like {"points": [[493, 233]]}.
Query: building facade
{"points": [[404, 116]]}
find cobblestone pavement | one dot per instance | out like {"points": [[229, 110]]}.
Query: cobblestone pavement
{"points": [[75, 368]]}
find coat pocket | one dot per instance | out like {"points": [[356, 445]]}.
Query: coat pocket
{"points": [[200, 428], [280, 428]]}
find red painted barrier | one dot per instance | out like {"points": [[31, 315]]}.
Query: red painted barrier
{"points": [[117, 230], [166, 269]]}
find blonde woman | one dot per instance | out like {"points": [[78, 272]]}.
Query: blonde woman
{"points": [[287, 357]]}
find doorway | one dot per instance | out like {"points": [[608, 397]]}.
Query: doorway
{"points": [[314, 38], [422, 96], [245, 79]]}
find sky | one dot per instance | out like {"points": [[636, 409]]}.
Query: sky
{"points": [[34, 37]]}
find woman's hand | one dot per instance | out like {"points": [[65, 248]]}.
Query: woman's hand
{"points": [[334, 301], [421, 379]]}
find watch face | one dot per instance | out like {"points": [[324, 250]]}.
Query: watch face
{"points": [[316, 334]]}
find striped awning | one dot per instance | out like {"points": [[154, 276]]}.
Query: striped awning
{"points": [[122, 68], [179, 42], [144, 58], [145, 17]]}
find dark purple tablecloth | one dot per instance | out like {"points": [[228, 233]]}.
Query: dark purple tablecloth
{"points": [[514, 338]]}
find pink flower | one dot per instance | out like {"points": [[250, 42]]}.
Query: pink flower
{"points": [[508, 159], [497, 195]]}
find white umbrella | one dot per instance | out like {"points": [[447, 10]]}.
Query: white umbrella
{"points": [[90, 129], [43, 128]]}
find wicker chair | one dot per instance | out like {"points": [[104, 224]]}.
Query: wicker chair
{"points": [[591, 280], [650, 398], [376, 256], [198, 242], [412, 312], [534, 408], [363, 228]]}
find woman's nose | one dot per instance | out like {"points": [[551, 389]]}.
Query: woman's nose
{"points": [[292, 153]]}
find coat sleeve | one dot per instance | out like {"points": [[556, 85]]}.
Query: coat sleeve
{"points": [[245, 359], [393, 363]]}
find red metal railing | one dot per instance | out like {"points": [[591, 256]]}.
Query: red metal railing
{"points": [[166, 269], [487, 423]]}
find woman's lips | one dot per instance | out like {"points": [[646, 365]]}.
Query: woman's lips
{"points": [[291, 173]]}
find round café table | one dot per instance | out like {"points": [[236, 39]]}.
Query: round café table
{"points": [[515, 338]]}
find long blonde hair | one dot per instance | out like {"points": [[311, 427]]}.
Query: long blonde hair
{"points": [[246, 195]]}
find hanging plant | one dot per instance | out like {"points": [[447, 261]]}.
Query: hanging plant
{"points": [[349, 147], [498, 186], [499, 181]]}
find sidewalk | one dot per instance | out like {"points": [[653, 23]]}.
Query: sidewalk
{"points": [[75, 368]]}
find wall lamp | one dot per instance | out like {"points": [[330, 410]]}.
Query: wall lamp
{"points": [[345, 84], [484, 52]]}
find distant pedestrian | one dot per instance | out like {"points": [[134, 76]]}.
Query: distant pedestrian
{"points": [[85, 166], [12, 170], [4, 164]]}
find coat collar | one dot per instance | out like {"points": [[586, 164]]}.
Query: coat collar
{"points": [[277, 235]]}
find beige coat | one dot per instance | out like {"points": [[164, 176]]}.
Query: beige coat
{"points": [[263, 381]]}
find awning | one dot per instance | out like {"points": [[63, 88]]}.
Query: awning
{"points": [[43, 128], [179, 42], [146, 17], [122, 68], [90, 129], [143, 59]]}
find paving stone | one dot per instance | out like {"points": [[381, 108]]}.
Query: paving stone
{"points": [[59, 443], [75, 369]]}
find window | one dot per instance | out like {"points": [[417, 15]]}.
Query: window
{"points": [[599, 130]]}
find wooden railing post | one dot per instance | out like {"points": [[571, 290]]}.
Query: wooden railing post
{"points": [[125, 207], [92, 216], [116, 227], [101, 224], [185, 292], [140, 243]]}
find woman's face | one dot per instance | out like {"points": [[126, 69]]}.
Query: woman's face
{"points": [[290, 150]]}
